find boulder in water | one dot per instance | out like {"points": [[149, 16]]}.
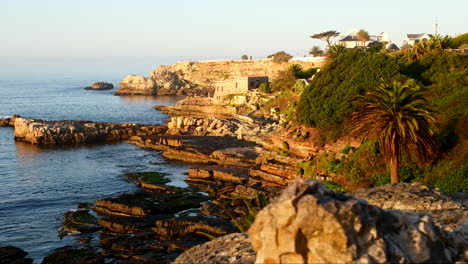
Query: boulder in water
{"points": [[100, 86]]}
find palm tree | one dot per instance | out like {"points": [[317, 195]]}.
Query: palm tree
{"points": [[401, 119], [316, 51], [335, 50], [363, 36]]}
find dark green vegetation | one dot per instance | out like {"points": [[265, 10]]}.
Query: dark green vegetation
{"points": [[328, 102], [329, 98], [299, 72]]}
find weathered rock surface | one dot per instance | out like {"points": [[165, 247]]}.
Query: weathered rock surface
{"points": [[137, 85], [310, 224], [38, 131], [100, 86], [420, 199], [169, 82], [232, 248], [13, 255]]}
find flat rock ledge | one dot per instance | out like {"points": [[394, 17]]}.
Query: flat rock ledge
{"points": [[38, 131], [233, 248]]}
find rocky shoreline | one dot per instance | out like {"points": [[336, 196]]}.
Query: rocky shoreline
{"points": [[238, 164]]}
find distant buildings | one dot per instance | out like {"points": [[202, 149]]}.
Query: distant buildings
{"points": [[351, 40], [237, 86], [412, 39]]}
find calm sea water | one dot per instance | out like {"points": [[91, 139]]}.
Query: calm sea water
{"points": [[39, 184]]}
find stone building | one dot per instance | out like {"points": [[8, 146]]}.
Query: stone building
{"points": [[237, 86]]}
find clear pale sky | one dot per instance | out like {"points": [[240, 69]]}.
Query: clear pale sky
{"points": [[86, 30]]}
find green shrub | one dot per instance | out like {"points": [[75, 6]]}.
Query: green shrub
{"points": [[448, 177], [460, 40], [280, 57], [283, 81], [330, 96], [334, 186], [264, 88]]}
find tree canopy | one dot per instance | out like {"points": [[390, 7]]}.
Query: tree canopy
{"points": [[326, 36]]}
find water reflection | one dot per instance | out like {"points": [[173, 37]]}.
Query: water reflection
{"points": [[156, 100]]}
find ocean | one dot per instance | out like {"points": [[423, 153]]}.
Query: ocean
{"points": [[39, 184]]}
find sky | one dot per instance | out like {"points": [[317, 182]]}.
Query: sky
{"points": [[108, 34]]}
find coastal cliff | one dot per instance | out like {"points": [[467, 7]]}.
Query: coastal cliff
{"points": [[184, 76]]}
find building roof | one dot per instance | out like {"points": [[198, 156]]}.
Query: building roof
{"points": [[392, 46], [417, 36]]}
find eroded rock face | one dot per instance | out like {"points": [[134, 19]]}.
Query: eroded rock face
{"points": [[169, 82], [233, 248], [100, 86], [137, 85], [310, 224], [38, 131]]}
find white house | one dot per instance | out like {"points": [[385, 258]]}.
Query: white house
{"points": [[351, 40], [412, 39]]}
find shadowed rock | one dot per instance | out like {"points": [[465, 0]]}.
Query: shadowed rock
{"points": [[13, 255]]}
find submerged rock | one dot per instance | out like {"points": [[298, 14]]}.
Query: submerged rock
{"points": [[74, 256], [100, 86], [80, 221], [13, 255], [308, 223]]}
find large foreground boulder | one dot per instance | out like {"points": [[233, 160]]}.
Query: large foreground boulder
{"points": [[308, 223]]}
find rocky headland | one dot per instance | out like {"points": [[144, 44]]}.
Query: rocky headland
{"points": [[197, 77]]}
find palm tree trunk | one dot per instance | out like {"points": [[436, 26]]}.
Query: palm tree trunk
{"points": [[394, 177]]}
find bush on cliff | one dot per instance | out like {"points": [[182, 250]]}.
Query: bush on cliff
{"points": [[280, 57], [330, 96]]}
